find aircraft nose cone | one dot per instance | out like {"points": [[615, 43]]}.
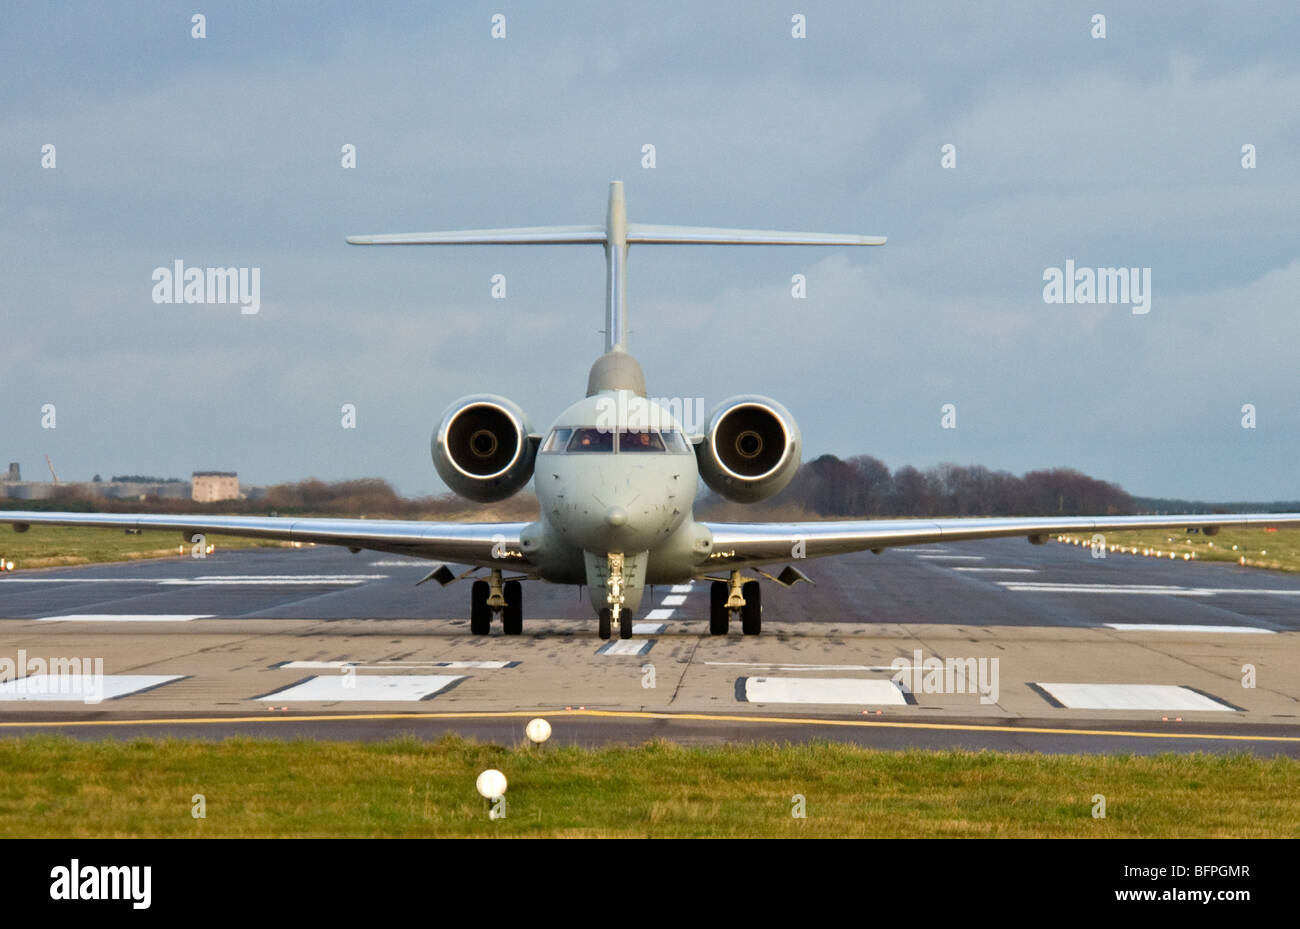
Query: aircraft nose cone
{"points": [[616, 516]]}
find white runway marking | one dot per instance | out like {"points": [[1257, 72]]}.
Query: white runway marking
{"points": [[125, 618], [276, 580], [648, 628], [399, 564], [675, 600], [659, 614], [364, 687], [1157, 627], [78, 580], [788, 666], [682, 588], [840, 690], [925, 551], [397, 665], [1160, 590], [1132, 697], [1000, 570], [626, 647], [952, 557], [32, 689]]}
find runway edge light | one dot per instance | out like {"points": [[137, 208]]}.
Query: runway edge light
{"points": [[538, 730]]}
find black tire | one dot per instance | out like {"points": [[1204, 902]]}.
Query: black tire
{"points": [[512, 617], [625, 624], [480, 614], [719, 616], [751, 614], [605, 620]]}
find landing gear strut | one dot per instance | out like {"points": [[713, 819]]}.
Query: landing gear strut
{"points": [[744, 597]]}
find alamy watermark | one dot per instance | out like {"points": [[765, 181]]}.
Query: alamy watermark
{"points": [[37, 677], [947, 676], [1099, 285], [179, 284]]}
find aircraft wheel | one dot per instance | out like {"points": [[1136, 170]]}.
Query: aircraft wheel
{"points": [[751, 614], [625, 624], [512, 617], [480, 614], [605, 620], [719, 616]]}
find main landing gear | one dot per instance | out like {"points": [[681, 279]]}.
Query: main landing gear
{"points": [[736, 595], [494, 596]]}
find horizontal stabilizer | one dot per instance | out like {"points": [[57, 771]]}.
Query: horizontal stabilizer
{"points": [[532, 235], [640, 233]]}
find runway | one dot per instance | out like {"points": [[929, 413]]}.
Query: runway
{"points": [[992, 644]]}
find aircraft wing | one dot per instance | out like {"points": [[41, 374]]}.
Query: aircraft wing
{"points": [[492, 545], [738, 545]]}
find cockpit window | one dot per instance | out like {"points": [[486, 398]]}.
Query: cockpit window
{"points": [[556, 441], [591, 440], [629, 441], [676, 442]]}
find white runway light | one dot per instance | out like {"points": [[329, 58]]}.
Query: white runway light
{"points": [[491, 784], [538, 730]]}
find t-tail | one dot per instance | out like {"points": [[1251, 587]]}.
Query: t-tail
{"points": [[616, 235]]}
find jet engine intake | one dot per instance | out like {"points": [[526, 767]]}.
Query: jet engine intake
{"points": [[484, 448], [751, 450]]}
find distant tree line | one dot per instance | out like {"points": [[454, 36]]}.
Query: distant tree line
{"points": [[864, 486], [142, 479]]}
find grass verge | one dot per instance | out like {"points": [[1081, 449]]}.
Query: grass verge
{"points": [[53, 546], [56, 786], [1277, 550]]}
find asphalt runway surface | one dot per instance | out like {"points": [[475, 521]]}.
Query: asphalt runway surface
{"points": [[995, 644]]}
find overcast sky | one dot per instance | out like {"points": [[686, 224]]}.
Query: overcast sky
{"points": [[225, 151]]}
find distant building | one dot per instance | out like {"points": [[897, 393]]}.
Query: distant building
{"points": [[211, 486], [14, 473]]}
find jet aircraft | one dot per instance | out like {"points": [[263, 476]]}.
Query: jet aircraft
{"points": [[616, 477]]}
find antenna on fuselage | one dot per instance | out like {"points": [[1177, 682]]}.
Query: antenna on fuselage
{"points": [[616, 235]]}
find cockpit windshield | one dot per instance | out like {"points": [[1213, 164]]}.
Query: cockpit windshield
{"points": [[640, 442], [591, 440], [567, 439]]}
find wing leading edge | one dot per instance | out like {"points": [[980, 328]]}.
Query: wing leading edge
{"points": [[490, 545], [738, 545]]}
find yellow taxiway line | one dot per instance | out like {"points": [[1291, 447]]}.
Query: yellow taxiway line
{"points": [[640, 714]]}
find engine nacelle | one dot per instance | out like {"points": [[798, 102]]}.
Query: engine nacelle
{"points": [[484, 448], [751, 450]]}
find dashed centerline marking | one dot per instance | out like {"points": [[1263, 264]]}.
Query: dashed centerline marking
{"points": [[626, 647]]}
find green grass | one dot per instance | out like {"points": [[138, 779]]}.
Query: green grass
{"points": [[54, 786], [51, 546], [1278, 551]]}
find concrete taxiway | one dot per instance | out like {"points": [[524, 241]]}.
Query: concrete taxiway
{"points": [[992, 644]]}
